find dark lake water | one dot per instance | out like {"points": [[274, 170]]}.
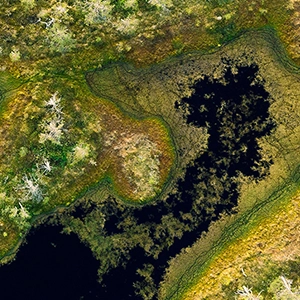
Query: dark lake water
{"points": [[59, 267], [50, 266]]}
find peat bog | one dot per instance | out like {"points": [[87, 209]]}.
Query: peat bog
{"points": [[235, 111]]}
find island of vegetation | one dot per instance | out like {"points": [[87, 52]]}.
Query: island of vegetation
{"points": [[56, 144], [163, 133]]}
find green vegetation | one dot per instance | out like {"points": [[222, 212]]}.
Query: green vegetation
{"points": [[82, 35]]}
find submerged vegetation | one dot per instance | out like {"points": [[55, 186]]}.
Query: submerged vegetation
{"points": [[251, 241], [140, 158]]}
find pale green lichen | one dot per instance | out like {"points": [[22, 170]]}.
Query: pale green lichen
{"points": [[81, 151], [14, 55], [140, 164]]}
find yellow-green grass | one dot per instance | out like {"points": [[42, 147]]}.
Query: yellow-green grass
{"points": [[234, 243], [208, 26]]}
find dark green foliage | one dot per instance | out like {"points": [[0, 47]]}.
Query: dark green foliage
{"points": [[216, 3], [120, 10], [57, 154], [226, 30], [144, 6]]}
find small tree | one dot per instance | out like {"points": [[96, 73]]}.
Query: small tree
{"points": [[46, 166], [31, 188], [246, 293], [54, 104], [282, 289], [60, 38], [24, 214], [97, 11], [53, 130]]}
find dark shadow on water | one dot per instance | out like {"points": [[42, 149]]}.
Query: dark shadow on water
{"points": [[50, 266]]}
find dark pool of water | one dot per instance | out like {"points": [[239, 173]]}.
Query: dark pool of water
{"points": [[236, 113], [50, 266]]}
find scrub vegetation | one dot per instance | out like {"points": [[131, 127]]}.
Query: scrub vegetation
{"points": [[80, 35]]}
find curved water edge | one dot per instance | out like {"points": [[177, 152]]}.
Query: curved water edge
{"points": [[178, 204], [230, 228], [165, 159]]}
